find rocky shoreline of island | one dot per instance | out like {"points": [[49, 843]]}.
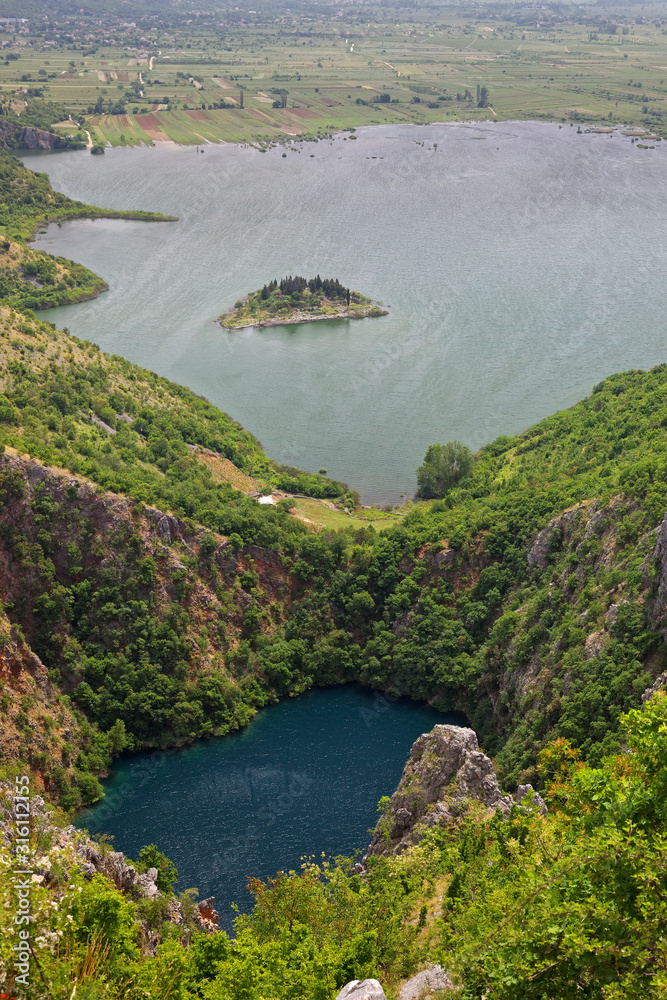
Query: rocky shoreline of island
{"points": [[296, 300]]}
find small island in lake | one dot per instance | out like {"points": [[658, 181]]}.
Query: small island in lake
{"points": [[299, 300]]}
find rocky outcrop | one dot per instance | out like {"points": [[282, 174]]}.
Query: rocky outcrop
{"points": [[167, 527], [445, 775], [102, 533], [365, 989], [13, 135], [659, 684], [205, 916], [433, 982], [146, 884], [430, 982], [658, 604], [112, 864], [558, 529]]}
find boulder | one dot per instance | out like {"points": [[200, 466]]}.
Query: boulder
{"points": [[175, 911], [365, 989], [205, 916], [168, 529], [426, 983], [658, 685], [125, 876], [88, 869], [522, 797]]}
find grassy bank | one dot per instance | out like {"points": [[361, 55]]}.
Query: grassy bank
{"points": [[31, 279]]}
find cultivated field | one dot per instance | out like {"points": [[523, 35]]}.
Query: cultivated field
{"points": [[586, 65]]}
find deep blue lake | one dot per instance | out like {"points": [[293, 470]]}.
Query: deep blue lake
{"points": [[303, 778]]}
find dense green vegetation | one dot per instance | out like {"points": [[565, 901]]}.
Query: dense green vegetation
{"points": [[295, 299], [564, 906], [444, 465], [528, 596], [31, 279], [28, 201], [445, 605], [37, 114]]}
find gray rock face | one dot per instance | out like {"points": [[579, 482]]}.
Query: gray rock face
{"points": [[146, 883], [445, 768], [522, 798], [113, 865], [13, 135], [658, 685], [365, 989], [426, 983], [445, 774], [659, 603], [167, 528]]}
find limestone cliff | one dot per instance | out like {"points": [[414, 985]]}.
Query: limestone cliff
{"points": [[13, 135], [445, 776]]}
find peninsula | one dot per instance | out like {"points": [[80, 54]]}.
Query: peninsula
{"points": [[299, 300]]}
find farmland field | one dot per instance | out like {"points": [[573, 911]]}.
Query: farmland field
{"points": [[299, 76]]}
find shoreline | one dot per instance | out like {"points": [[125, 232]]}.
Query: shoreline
{"points": [[375, 309], [132, 215], [266, 142], [629, 130]]}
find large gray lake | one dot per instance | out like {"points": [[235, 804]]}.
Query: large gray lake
{"points": [[522, 263]]}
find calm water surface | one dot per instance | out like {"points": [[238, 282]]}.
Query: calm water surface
{"points": [[303, 778], [522, 264]]}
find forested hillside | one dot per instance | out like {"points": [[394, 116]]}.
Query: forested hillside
{"points": [[146, 601], [521, 907], [530, 597]]}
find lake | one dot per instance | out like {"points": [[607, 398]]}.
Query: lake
{"points": [[303, 778], [522, 263]]}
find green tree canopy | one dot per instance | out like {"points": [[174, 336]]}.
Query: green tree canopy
{"points": [[151, 857], [444, 465]]}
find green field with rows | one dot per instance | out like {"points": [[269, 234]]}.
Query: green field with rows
{"points": [[302, 77]]}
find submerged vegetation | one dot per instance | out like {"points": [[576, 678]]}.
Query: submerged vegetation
{"points": [[299, 300]]}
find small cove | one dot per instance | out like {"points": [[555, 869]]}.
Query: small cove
{"points": [[303, 778]]}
